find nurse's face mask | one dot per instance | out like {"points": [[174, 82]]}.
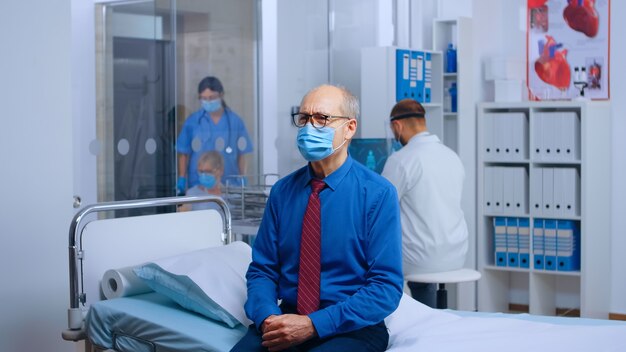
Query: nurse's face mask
{"points": [[210, 100], [211, 105], [315, 139]]}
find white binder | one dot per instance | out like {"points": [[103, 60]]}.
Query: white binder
{"points": [[537, 136], [508, 132], [497, 189], [488, 131], [547, 135], [520, 136], [536, 191], [498, 137], [508, 192], [559, 190], [557, 136], [570, 132], [488, 190], [571, 194], [520, 190], [548, 191]]}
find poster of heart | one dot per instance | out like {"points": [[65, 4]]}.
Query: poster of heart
{"points": [[568, 49]]}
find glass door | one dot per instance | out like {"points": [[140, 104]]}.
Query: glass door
{"points": [[150, 57]]}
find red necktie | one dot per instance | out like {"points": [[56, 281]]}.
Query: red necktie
{"points": [[310, 244]]}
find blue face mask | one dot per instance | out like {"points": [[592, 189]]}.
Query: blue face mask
{"points": [[211, 105], [316, 144], [207, 180], [396, 145]]}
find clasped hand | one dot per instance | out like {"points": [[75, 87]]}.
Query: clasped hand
{"points": [[283, 331]]}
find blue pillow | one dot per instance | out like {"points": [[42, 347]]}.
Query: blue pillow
{"points": [[210, 282]]}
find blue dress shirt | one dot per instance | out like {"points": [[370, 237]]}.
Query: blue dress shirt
{"points": [[200, 134], [361, 250]]}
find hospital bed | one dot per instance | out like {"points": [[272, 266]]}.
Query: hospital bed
{"points": [[154, 322]]}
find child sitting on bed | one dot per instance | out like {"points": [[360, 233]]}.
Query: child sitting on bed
{"points": [[210, 170]]}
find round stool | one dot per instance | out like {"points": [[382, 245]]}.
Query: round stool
{"points": [[443, 278]]}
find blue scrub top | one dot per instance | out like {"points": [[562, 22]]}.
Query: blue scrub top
{"points": [[200, 134]]}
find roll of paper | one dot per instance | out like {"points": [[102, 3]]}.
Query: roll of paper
{"points": [[121, 283]]}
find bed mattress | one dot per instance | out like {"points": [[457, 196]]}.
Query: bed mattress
{"points": [[153, 322], [540, 318]]}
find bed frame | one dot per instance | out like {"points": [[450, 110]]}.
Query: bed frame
{"points": [[77, 287]]}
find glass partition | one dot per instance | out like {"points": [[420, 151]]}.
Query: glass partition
{"points": [[150, 57]]}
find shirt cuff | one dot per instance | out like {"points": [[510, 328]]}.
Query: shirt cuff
{"points": [[265, 312], [323, 323]]}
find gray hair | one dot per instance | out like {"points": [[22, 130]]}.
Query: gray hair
{"points": [[212, 158], [350, 104]]}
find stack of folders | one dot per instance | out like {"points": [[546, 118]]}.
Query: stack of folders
{"points": [[413, 75], [506, 189], [505, 136], [512, 241], [555, 191], [556, 245], [556, 136]]}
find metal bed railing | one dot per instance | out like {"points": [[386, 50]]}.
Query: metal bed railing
{"points": [[247, 198], [77, 295]]}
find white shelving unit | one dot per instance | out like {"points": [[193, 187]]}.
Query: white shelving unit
{"points": [[545, 291], [458, 132], [459, 33], [378, 91]]}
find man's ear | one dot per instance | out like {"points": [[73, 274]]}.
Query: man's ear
{"points": [[352, 125], [395, 124]]}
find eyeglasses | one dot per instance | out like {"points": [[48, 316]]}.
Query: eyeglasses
{"points": [[318, 121]]}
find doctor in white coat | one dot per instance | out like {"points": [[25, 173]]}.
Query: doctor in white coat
{"points": [[429, 179]]}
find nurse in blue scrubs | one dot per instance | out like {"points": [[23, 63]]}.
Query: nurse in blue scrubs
{"points": [[214, 127]]}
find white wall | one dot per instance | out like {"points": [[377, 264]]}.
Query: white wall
{"points": [[83, 56], [36, 177], [618, 107]]}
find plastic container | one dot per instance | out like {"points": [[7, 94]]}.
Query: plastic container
{"points": [[452, 91], [451, 59]]}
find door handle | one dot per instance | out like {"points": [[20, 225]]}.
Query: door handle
{"points": [[77, 202]]}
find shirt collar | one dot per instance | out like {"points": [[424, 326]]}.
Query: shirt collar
{"points": [[424, 137], [334, 179]]}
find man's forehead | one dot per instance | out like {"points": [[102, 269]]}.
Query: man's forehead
{"points": [[322, 101]]}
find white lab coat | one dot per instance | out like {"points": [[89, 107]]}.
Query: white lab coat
{"points": [[429, 179]]}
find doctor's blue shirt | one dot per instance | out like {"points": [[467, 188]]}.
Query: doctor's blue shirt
{"points": [[361, 255]]}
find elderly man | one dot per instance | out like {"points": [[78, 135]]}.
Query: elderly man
{"points": [[329, 245]]}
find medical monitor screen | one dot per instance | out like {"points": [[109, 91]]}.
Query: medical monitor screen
{"points": [[371, 152]]}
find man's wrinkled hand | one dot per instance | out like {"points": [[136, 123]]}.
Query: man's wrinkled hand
{"points": [[283, 331]]}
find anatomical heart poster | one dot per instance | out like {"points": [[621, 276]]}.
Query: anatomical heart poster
{"points": [[568, 49]]}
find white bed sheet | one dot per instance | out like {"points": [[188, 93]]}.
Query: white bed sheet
{"points": [[416, 327]]}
